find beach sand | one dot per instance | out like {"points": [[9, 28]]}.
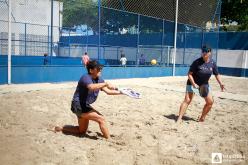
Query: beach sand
{"points": [[143, 131]]}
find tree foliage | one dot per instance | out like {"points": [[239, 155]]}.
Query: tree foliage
{"points": [[235, 10], [78, 12]]}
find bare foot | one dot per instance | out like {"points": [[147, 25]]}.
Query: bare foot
{"points": [[200, 119], [58, 129], [179, 121], [55, 129]]}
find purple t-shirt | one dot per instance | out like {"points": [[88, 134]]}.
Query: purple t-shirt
{"points": [[202, 71], [83, 94]]}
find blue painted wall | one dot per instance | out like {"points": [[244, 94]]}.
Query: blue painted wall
{"points": [[3, 74], [39, 60], [227, 40], [233, 40], [56, 73], [181, 71], [35, 73], [238, 72]]}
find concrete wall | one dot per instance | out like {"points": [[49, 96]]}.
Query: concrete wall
{"points": [[30, 20], [233, 58], [33, 12], [225, 58]]}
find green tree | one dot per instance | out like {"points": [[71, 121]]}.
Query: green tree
{"points": [[235, 10], [79, 12], [112, 20]]}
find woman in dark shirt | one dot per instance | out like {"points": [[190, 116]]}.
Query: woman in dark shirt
{"points": [[199, 74], [86, 93]]}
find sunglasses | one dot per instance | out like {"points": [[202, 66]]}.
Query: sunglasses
{"points": [[99, 69], [205, 50]]}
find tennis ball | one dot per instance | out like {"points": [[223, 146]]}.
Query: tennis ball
{"points": [[154, 62]]}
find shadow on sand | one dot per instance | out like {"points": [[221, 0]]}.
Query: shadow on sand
{"points": [[86, 135], [174, 117]]}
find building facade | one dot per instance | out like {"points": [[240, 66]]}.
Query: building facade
{"points": [[31, 26]]}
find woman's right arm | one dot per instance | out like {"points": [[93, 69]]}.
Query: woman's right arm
{"points": [[97, 86], [191, 79], [100, 86]]}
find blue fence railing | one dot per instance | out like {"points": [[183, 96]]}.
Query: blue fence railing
{"points": [[227, 40]]}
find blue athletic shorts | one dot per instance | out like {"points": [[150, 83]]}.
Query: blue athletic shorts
{"points": [[203, 90]]}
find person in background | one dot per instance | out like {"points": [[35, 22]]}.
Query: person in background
{"points": [[85, 59], [142, 60], [123, 60], [45, 61]]}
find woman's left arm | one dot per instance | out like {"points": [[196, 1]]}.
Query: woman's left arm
{"points": [[222, 86]]}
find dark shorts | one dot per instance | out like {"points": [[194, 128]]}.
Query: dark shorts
{"points": [[77, 109]]}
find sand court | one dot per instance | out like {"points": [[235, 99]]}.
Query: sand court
{"points": [[143, 131]]}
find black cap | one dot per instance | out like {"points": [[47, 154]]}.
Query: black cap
{"points": [[94, 64], [206, 49]]}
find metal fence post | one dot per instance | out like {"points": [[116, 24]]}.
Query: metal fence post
{"points": [[51, 44], [60, 30], [99, 28], [69, 44], [175, 41], [203, 37], [162, 47], [48, 39], [168, 55], [87, 38], [218, 31], [138, 38], [25, 39], [184, 44], [9, 44], [246, 62], [117, 54]]}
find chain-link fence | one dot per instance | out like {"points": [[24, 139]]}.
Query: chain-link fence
{"points": [[134, 28]]}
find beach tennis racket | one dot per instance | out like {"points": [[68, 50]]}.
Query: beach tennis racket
{"points": [[129, 92], [203, 90]]}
